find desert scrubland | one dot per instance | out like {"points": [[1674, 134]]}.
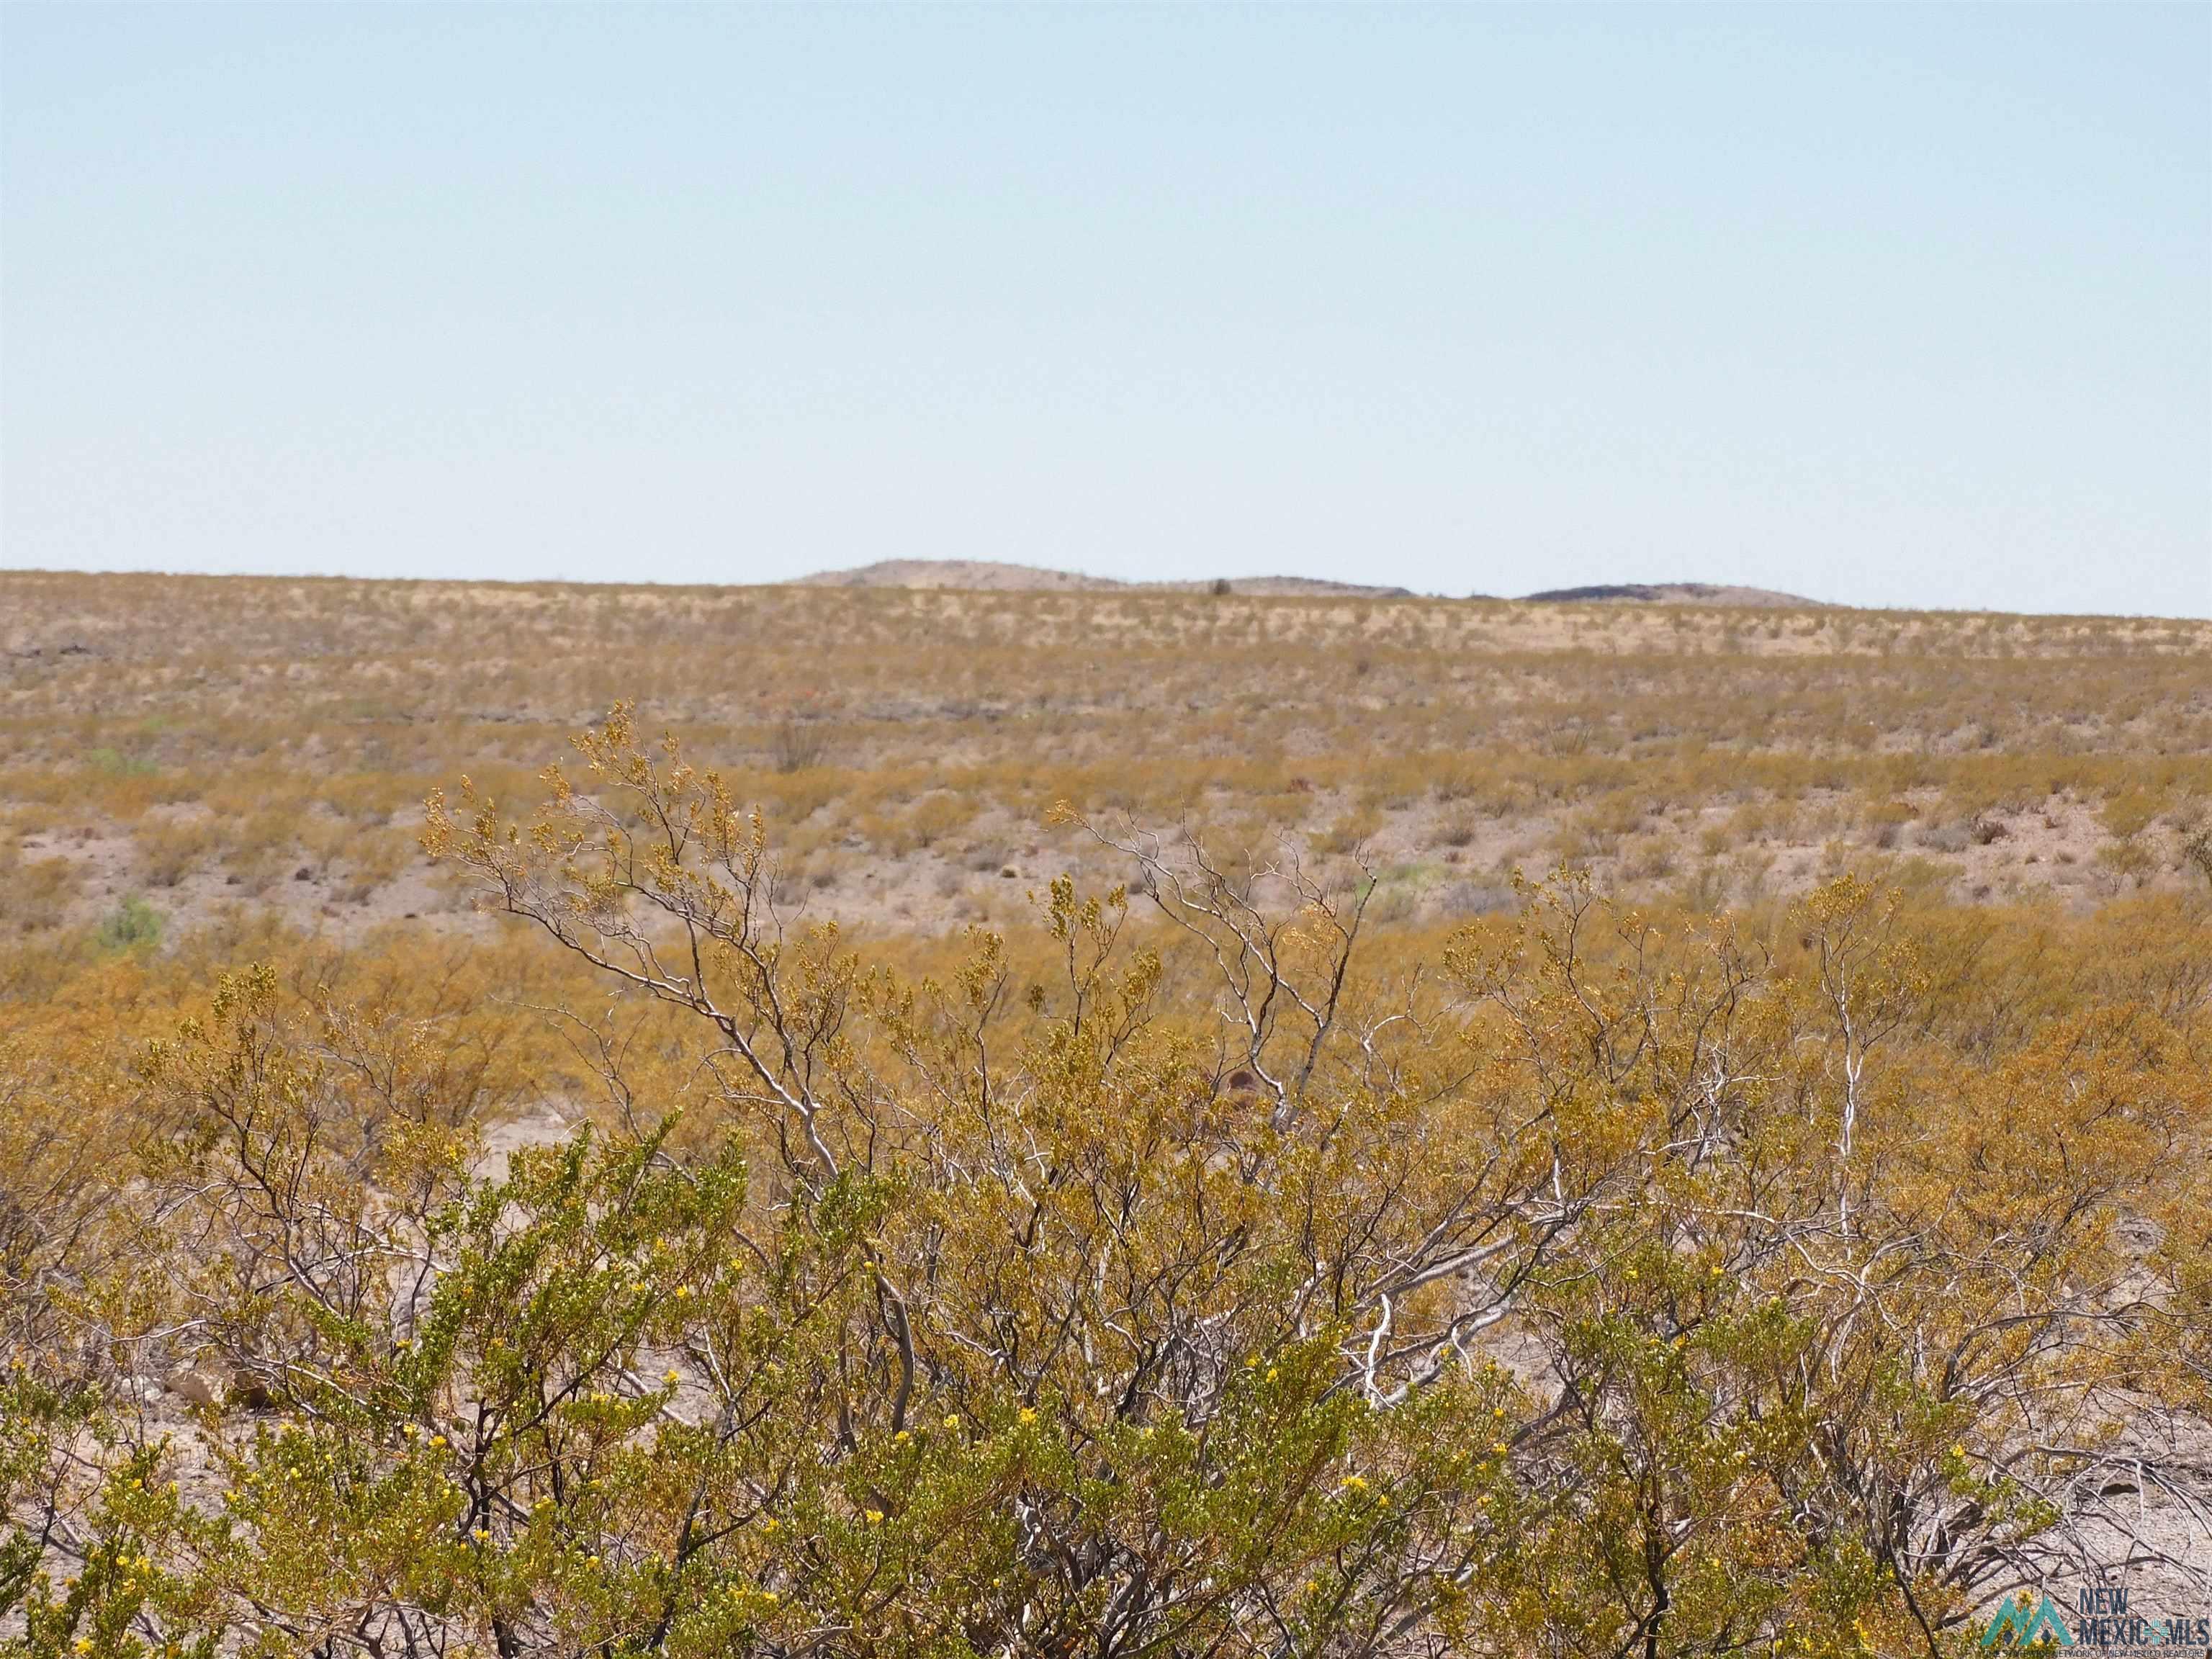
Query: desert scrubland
{"points": [[830, 1120], [200, 742]]}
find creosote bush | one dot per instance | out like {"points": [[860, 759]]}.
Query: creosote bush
{"points": [[1193, 1277]]}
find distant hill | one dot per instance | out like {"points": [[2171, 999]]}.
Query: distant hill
{"points": [[985, 575], [979, 575], [989, 576], [1670, 593]]}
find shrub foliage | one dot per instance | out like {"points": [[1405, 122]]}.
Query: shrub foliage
{"points": [[1191, 1279]]}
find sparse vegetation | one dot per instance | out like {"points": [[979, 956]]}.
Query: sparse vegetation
{"points": [[212, 736], [1110, 1152]]}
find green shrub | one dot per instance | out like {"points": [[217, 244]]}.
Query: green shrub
{"points": [[133, 925]]}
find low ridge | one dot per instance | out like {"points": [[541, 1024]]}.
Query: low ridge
{"points": [[993, 576], [996, 576], [1671, 594]]}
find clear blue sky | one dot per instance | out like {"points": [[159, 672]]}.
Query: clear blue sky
{"points": [[1889, 304]]}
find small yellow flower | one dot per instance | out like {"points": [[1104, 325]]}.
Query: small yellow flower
{"points": [[1355, 1483], [1028, 1415], [951, 1422], [1272, 1373], [672, 1376], [1958, 1449], [875, 1517], [437, 1439]]}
